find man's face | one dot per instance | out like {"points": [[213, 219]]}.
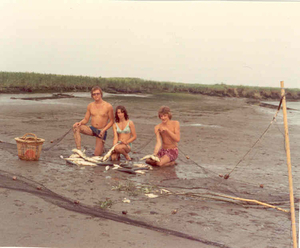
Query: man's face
{"points": [[164, 117], [96, 94]]}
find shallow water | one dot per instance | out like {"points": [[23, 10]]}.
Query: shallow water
{"points": [[293, 115]]}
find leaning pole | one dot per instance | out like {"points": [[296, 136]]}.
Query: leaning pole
{"points": [[288, 156]]}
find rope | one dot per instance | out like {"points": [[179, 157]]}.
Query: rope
{"points": [[274, 118], [57, 141], [187, 157]]}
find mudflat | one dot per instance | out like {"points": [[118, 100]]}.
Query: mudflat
{"points": [[54, 204]]}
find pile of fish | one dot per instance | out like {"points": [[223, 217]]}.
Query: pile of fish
{"points": [[79, 158]]}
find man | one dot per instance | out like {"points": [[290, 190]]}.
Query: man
{"points": [[167, 137], [100, 112]]}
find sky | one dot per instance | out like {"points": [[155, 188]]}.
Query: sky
{"points": [[200, 42]]}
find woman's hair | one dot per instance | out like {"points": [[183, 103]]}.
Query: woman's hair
{"points": [[164, 110], [123, 110], [96, 88]]}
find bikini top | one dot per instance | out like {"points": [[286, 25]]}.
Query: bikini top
{"points": [[125, 130]]}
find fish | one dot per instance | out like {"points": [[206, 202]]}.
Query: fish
{"points": [[84, 163], [116, 166], [152, 156], [74, 155], [108, 154], [79, 162], [98, 158], [89, 159], [74, 159], [140, 172], [151, 195], [79, 152], [143, 167]]}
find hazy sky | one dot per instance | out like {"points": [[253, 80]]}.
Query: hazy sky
{"points": [[206, 42]]}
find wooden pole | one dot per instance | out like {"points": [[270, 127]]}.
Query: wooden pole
{"points": [[288, 156]]}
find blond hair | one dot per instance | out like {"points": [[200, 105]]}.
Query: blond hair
{"points": [[164, 110]]}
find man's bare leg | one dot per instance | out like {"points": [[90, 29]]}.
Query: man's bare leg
{"points": [[99, 147], [81, 129], [165, 161]]}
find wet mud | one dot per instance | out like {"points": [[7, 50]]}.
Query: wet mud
{"points": [[215, 134]]}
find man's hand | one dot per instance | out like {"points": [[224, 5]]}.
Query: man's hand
{"points": [[101, 134], [77, 124], [163, 129]]}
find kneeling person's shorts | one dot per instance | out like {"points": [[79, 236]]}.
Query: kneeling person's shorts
{"points": [[171, 153], [96, 132]]}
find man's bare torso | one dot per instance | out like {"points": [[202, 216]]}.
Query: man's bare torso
{"points": [[99, 114], [167, 141]]}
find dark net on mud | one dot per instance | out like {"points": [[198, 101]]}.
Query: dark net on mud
{"points": [[19, 183]]}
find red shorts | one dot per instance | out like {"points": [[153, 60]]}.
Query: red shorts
{"points": [[172, 153]]}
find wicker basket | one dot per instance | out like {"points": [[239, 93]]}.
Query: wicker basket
{"points": [[29, 148]]}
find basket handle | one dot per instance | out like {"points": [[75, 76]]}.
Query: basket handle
{"points": [[26, 134]]}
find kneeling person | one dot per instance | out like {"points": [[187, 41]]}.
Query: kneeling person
{"points": [[101, 114], [167, 136], [124, 133]]}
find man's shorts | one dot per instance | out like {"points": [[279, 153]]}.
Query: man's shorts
{"points": [[96, 132], [171, 153]]}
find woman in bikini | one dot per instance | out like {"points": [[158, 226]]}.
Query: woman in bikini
{"points": [[124, 133]]}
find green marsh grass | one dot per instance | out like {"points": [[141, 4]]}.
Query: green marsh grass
{"points": [[20, 82]]}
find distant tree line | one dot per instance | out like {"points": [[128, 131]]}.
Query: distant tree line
{"points": [[20, 82]]}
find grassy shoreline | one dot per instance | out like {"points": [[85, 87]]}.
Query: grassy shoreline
{"points": [[21, 82]]}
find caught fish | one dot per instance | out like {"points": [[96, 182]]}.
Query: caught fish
{"points": [[79, 161], [91, 160], [74, 155], [151, 195], [98, 158], [79, 152], [74, 159], [84, 163], [143, 167], [116, 166], [108, 154], [140, 172], [153, 157]]}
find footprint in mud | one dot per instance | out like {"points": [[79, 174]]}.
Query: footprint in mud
{"points": [[205, 208], [193, 214], [235, 212], [19, 203]]}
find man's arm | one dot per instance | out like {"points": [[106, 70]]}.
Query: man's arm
{"points": [[158, 140], [111, 120], [86, 118]]}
